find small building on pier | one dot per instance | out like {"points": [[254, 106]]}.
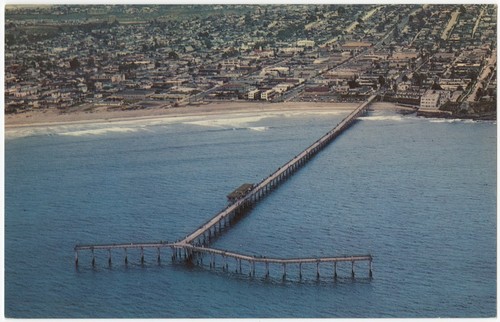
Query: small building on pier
{"points": [[240, 192]]}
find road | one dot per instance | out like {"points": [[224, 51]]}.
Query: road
{"points": [[483, 75]]}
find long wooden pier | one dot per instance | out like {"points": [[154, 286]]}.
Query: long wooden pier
{"points": [[195, 245], [282, 173]]}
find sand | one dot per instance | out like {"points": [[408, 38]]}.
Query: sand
{"points": [[43, 118]]}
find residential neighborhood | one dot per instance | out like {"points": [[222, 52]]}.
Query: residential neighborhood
{"points": [[427, 57]]}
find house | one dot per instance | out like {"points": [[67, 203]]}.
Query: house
{"points": [[404, 86], [138, 94], [305, 43], [355, 46], [318, 90]]}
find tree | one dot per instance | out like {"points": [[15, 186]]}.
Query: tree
{"points": [[381, 80], [10, 39], [90, 85], [436, 86], [396, 32], [74, 63], [173, 55], [479, 93], [208, 43], [248, 18], [419, 79], [353, 83], [404, 78]]}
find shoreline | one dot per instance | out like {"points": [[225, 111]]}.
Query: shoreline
{"points": [[48, 118], [45, 118]]}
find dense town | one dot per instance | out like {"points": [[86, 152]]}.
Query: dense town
{"points": [[437, 60]]}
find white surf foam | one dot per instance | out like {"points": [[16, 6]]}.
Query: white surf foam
{"points": [[435, 120], [396, 118], [100, 131], [259, 128], [228, 122]]}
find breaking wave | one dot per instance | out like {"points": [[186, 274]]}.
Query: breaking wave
{"points": [[100, 131], [396, 118], [436, 120]]}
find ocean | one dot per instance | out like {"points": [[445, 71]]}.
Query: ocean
{"points": [[417, 194]]}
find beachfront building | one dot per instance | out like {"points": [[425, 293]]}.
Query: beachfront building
{"points": [[253, 94], [267, 95], [430, 100], [433, 99]]}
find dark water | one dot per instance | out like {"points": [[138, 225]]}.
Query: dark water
{"points": [[418, 194]]}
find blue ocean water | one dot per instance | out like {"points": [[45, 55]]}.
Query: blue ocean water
{"points": [[418, 194]]}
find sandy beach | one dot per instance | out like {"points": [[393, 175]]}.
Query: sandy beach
{"points": [[53, 117]]}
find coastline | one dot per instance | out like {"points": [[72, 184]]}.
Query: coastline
{"points": [[45, 118]]}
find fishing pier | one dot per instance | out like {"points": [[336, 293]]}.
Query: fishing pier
{"points": [[195, 247]]}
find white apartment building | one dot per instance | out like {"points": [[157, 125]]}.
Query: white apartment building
{"points": [[433, 99], [430, 100], [253, 94], [266, 95]]}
